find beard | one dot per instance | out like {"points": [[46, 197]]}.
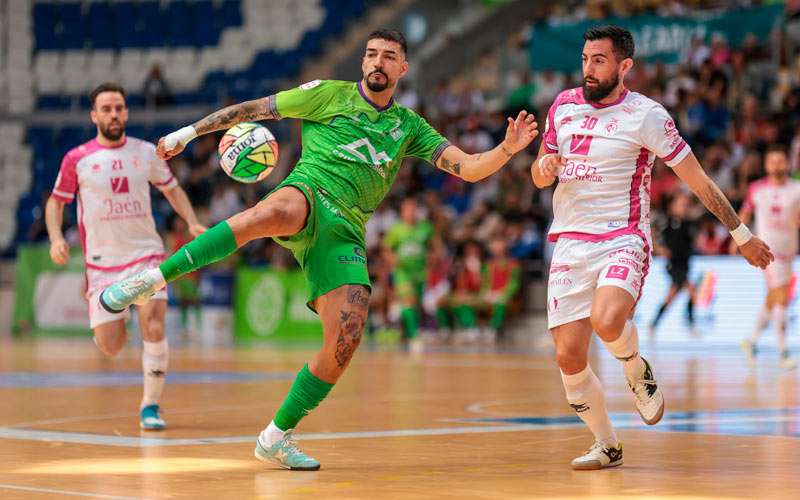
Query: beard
{"points": [[377, 86], [601, 91], [114, 134]]}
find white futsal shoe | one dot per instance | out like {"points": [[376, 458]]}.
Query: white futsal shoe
{"points": [[648, 397], [599, 456]]}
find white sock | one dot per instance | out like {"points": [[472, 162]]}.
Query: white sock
{"points": [[154, 367], [626, 349], [762, 320], [585, 395], [270, 435], [779, 323]]}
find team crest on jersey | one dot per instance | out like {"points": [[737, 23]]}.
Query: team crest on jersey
{"points": [[612, 126], [396, 134], [95, 168], [136, 162], [310, 85]]}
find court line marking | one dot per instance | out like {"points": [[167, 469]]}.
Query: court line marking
{"points": [[66, 492], [143, 442]]}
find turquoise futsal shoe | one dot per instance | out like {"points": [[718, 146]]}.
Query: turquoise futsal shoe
{"points": [[136, 289], [286, 454], [150, 420]]}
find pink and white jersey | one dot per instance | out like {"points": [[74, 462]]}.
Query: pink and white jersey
{"points": [[113, 190], [604, 188], [776, 208]]}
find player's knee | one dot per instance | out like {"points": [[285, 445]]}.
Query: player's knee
{"points": [[110, 345], [571, 359], [607, 323], [155, 332]]}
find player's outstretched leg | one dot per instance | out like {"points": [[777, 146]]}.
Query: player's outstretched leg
{"points": [[343, 312], [585, 395], [610, 311], [283, 213]]}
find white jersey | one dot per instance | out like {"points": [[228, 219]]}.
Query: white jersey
{"points": [[115, 218], [777, 209], [604, 189]]}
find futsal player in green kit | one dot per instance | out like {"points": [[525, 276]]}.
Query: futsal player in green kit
{"points": [[354, 140], [407, 243]]}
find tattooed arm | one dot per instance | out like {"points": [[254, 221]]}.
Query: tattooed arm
{"points": [[474, 167], [689, 170], [257, 109]]}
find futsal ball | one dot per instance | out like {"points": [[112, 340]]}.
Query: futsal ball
{"points": [[248, 152]]}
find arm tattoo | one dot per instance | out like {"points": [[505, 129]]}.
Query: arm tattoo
{"points": [[258, 109], [718, 204], [506, 151], [449, 166], [357, 295]]}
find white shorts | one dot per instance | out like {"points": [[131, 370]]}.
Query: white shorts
{"points": [[98, 280], [779, 272], [579, 267]]}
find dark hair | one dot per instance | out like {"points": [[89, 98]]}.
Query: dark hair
{"points": [[106, 87], [620, 37], [390, 35], [776, 148]]}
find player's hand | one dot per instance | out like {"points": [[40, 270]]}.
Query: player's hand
{"points": [[757, 253], [166, 154], [550, 165], [197, 229], [520, 132], [59, 252]]}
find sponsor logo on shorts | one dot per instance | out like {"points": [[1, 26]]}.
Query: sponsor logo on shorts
{"points": [[618, 272], [560, 282], [559, 268], [358, 257]]}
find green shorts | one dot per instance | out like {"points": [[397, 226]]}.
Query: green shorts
{"points": [[408, 285], [330, 249]]}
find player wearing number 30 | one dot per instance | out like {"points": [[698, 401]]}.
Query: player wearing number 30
{"points": [[355, 138], [600, 142]]}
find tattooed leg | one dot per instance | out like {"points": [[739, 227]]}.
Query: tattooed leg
{"points": [[344, 315]]}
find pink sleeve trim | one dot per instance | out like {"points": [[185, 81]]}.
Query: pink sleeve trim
{"points": [[675, 152]]}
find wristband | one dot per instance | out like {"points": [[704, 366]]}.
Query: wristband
{"points": [[741, 235], [182, 137]]}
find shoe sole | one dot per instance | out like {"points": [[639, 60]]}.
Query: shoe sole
{"points": [[262, 458], [658, 416], [157, 427], [596, 465], [106, 306]]}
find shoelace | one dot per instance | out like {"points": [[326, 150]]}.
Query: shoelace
{"points": [[644, 389], [596, 446], [291, 444]]}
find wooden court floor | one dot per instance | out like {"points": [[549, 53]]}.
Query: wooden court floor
{"points": [[399, 425]]}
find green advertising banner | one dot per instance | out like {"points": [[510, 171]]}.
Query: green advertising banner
{"points": [[558, 47], [271, 305], [49, 298]]}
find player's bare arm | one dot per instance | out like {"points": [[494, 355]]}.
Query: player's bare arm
{"points": [[53, 217], [255, 110], [746, 216], [752, 248], [474, 167], [545, 168], [180, 203]]}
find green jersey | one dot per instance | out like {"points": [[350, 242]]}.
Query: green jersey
{"points": [[410, 244], [352, 147]]}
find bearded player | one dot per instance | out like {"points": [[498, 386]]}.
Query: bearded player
{"points": [[775, 203], [355, 137], [111, 176], [600, 143]]}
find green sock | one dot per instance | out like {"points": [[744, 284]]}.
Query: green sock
{"points": [[306, 393], [213, 245], [465, 316], [498, 316], [442, 318], [410, 321], [185, 318]]}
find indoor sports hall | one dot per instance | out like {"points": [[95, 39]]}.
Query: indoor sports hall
{"points": [[192, 305]]}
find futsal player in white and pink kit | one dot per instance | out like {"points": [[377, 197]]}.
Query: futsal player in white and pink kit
{"points": [[110, 177], [775, 203], [600, 142]]}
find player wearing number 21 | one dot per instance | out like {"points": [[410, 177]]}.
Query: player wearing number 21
{"points": [[355, 138], [600, 142]]}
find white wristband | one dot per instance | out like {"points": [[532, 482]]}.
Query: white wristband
{"points": [[741, 235], [182, 137]]}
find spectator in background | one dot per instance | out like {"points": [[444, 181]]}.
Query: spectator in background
{"points": [[225, 201], [157, 93], [501, 284], [186, 288]]}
